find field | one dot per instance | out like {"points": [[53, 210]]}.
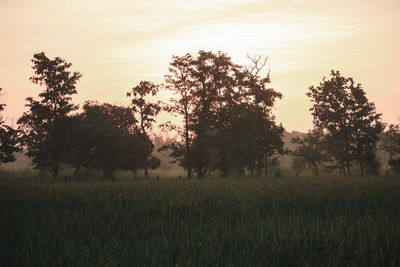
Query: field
{"points": [[329, 221]]}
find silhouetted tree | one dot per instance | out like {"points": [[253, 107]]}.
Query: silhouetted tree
{"points": [[8, 140], [390, 142], [43, 123], [106, 137], [260, 99], [366, 129], [180, 82], [311, 149], [227, 114], [395, 163], [146, 110], [342, 109]]}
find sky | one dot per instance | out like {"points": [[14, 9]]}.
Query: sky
{"points": [[116, 44]]}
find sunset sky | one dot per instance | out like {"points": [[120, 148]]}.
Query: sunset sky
{"points": [[116, 44]]}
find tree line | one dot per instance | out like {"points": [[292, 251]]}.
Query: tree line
{"points": [[227, 123]]}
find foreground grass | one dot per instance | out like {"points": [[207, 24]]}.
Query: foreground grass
{"points": [[304, 221]]}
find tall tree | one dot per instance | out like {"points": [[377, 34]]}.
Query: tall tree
{"points": [[260, 98], [225, 107], [366, 129], [342, 109], [146, 110], [181, 84], [43, 122], [8, 140]]}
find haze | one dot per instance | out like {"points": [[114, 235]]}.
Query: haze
{"points": [[116, 44]]}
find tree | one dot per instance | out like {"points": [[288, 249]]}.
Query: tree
{"points": [[366, 129], [106, 137], [8, 140], [225, 108], [145, 109], [213, 79], [43, 123], [342, 110], [260, 99], [310, 149], [180, 83], [390, 142], [395, 163]]}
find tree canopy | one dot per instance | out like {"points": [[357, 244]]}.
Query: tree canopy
{"points": [[227, 122], [342, 110], [226, 111], [9, 140], [43, 124]]}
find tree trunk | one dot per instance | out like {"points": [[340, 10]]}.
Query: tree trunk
{"points": [[348, 168], [187, 143], [108, 173], [240, 170], [199, 172], [316, 170], [259, 168], [189, 158], [77, 172], [55, 167], [347, 151], [361, 166], [224, 166]]}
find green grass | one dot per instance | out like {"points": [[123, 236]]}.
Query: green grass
{"points": [[331, 221]]}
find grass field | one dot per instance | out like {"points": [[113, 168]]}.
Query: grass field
{"points": [[330, 221]]}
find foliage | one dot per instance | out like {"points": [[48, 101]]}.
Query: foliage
{"points": [[9, 143], [106, 137], [226, 110], [43, 123], [390, 142], [146, 111], [342, 109], [180, 82]]}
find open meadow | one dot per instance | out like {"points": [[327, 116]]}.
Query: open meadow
{"points": [[331, 221]]}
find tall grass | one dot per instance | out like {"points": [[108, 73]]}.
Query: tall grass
{"points": [[305, 221]]}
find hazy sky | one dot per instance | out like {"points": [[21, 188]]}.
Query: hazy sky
{"points": [[115, 44]]}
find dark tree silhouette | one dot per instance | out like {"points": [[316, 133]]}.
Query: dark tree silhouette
{"points": [[180, 83], [106, 137], [43, 123], [342, 109], [226, 111], [266, 133], [146, 110], [9, 140], [390, 142]]}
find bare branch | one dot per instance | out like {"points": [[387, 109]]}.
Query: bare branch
{"points": [[258, 63]]}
